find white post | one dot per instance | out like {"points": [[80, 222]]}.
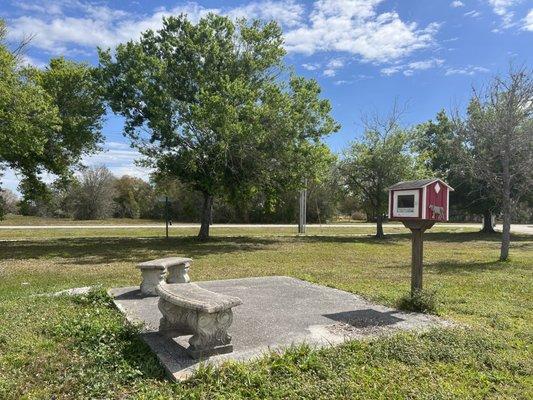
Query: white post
{"points": [[303, 210]]}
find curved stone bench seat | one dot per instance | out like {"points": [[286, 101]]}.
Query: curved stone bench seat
{"points": [[174, 269], [190, 309]]}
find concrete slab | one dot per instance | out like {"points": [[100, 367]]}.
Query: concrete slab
{"points": [[276, 313]]}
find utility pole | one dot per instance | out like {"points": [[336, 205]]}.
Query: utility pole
{"points": [[303, 210]]}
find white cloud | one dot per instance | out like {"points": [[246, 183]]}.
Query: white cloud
{"points": [[9, 180], [332, 66], [457, 4], [349, 26], [503, 8], [472, 14], [426, 64], [44, 7], [528, 21], [355, 27], [468, 70], [103, 26], [27, 60], [336, 63], [410, 68], [311, 66], [120, 159], [112, 145], [287, 13], [98, 26], [390, 70]]}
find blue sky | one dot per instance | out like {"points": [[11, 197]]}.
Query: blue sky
{"points": [[365, 53]]}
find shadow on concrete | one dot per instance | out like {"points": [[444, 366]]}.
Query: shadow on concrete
{"points": [[132, 295], [365, 318]]}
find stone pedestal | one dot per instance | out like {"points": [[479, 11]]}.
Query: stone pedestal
{"points": [[189, 309], [151, 277], [179, 273], [209, 330], [173, 269]]}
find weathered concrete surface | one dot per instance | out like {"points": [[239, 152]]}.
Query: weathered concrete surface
{"points": [[276, 312]]}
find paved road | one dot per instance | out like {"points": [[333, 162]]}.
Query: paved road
{"points": [[516, 228]]}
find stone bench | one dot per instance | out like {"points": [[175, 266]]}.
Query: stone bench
{"points": [[174, 269], [190, 309]]}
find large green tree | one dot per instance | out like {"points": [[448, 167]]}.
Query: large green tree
{"points": [[440, 150], [94, 194], [135, 198], [212, 105], [49, 118], [376, 161], [498, 133]]}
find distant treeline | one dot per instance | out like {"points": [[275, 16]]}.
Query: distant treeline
{"points": [[98, 194]]}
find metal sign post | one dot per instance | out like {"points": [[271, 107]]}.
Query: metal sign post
{"points": [[166, 215], [168, 221]]}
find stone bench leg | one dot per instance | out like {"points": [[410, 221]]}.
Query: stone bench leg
{"points": [[209, 330], [211, 334], [150, 279], [179, 273]]}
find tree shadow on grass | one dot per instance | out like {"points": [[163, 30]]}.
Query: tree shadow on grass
{"points": [[394, 239], [103, 250], [463, 267], [429, 236], [367, 239], [139, 355], [453, 237]]}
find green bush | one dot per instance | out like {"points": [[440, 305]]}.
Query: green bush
{"points": [[97, 296], [425, 301]]}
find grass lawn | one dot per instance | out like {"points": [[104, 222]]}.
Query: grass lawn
{"points": [[59, 347], [15, 219]]}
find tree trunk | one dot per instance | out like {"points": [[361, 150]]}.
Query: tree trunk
{"points": [[379, 227], [207, 211], [506, 210], [244, 213], [506, 236], [487, 223]]}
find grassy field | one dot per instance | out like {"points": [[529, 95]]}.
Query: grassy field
{"points": [[59, 347], [14, 219]]}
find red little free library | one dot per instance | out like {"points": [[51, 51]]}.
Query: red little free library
{"points": [[423, 199]]}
